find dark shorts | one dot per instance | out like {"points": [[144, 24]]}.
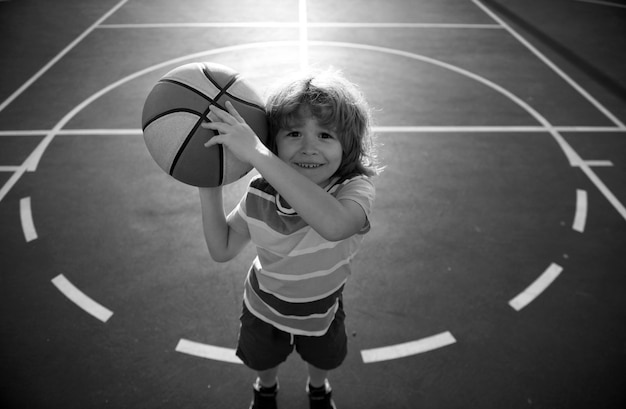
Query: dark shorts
{"points": [[262, 346]]}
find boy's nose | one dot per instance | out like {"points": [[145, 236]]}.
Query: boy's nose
{"points": [[309, 146]]}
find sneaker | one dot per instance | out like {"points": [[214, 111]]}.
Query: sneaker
{"points": [[320, 398], [264, 398]]}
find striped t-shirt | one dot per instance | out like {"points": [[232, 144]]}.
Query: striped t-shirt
{"points": [[298, 276]]}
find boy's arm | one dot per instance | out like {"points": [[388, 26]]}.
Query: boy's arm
{"points": [[223, 242], [333, 219]]}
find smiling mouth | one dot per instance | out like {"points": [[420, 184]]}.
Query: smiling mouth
{"points": [[308, 165]]}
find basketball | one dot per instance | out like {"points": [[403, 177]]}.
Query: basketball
{"points": [[177, 105]]}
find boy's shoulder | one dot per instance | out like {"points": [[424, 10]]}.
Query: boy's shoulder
{"points": [[352, 179], [259, 183]]}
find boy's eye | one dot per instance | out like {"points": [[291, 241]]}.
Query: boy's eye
{"points": [[325, 135], [293, 134]]}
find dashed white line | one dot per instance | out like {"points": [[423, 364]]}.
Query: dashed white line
{"points": [[81, 299], [408, 348], [207, 351], [580, 217], [536, 288], [26, 217]]}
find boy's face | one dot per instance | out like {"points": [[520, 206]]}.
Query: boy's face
{"points": [[311, 149]]}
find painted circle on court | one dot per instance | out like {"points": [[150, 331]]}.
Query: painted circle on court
{"points": [[455, 231]]}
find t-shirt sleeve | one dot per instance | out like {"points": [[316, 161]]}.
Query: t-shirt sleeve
{"points": [[237, 217], [362, 191]]}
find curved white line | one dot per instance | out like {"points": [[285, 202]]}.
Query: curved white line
{"points": [[581, 211], [26, 216], [408, 348], [536, 288], [207, 351], [81, 299]]}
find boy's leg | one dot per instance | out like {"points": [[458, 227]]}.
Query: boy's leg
{"points": [[317, 376], [268, 378], [265, 389], [319, 390]]}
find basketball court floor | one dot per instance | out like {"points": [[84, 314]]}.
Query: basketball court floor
{"points": [[494, 274]]}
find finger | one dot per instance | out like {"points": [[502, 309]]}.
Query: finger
{"points": [[231, 109], [216, 140], [223, 115], [216, 126]]}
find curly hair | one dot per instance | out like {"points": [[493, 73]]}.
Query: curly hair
{"points": [[334, 102]]}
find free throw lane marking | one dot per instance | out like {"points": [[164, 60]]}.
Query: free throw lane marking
{"points": [[81, 299], [536, 288], [407, 348], [27, 220], [581, 211], [207, 351]]}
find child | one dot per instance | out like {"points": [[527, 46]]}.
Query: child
{"points": [[306, 213]]}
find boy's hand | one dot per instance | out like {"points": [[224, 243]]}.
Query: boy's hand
{"points": [[234, 133]]}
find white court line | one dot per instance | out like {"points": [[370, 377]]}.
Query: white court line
{"points": [[8, 185], [249, 24], [580, 217], [81, 299], [381, 129], [278, 24], [60, 55], [207, 351], [602, 3], [26, 216], [604, 190], [499, 128], [408, 348], [536, 288], [404, 25], [87, 132], [600, 163], [553, 66], [303, 35]]}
